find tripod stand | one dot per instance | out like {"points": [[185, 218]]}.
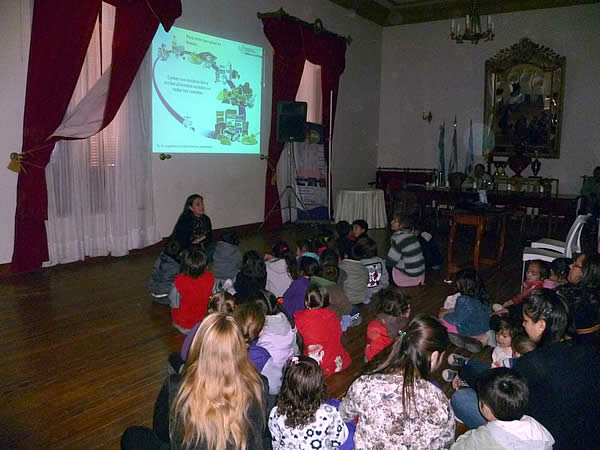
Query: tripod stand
{"points": [[287, 192]]}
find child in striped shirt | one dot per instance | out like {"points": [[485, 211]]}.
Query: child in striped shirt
{"points": [[405, 255]]}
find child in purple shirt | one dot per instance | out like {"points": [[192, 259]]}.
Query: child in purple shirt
{"points": [[293, 298]]}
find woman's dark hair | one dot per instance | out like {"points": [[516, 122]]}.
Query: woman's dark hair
{"points": [[309, 266], [316, 298], [282, 250], [251, 319], [560, 267], [469, 283], [544, 267], [521, 343], [173, 249], [188, 202], [343, 228], [393, 303], [504, 392], [591, 271], [302, 392], [193, 262], [230, 236], [411, 352], [329, 257], [547, 305], [267, 301], [253, 265]]}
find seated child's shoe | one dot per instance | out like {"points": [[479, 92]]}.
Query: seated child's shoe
{"points": [[457, 360], [449, 375], [356, 319], [162, 299]]}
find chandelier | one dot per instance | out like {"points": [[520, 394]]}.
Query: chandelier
{"points": [[472, 31]]}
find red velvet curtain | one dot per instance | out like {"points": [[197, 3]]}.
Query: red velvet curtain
{"points": [[60, 35], [293, 43]]}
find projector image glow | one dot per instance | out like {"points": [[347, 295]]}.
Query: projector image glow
{"points": [[211, 86]]}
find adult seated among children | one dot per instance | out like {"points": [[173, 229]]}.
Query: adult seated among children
{"points": [[562, 375]]}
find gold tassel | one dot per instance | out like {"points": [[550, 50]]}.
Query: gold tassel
{"points": [[16, 163]]}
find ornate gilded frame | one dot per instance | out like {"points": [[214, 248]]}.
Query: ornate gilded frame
{"points": [[523, 101]]}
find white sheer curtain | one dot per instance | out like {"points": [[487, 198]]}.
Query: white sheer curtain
{"points": [[100, 189]]}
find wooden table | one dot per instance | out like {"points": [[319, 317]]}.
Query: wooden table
{"points": [[556, 205], [478, 220]]}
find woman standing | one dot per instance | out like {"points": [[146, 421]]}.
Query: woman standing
{"points": [[396, 405]]}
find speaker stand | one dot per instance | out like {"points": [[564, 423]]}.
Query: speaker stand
{"points": [[287, 192]]}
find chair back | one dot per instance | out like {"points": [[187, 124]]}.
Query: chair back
{"points": [[573, 240]]}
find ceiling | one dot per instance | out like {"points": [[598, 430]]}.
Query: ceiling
{"points": [[399, 12]]}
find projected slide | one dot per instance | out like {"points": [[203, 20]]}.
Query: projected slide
{"points": [[206, 94]]}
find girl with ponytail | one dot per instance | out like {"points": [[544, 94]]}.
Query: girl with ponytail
{"points": [[396, 405]]}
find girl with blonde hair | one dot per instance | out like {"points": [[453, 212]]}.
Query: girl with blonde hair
{"points": [[217, 404]]}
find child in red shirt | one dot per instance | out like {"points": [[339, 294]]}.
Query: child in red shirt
{"points": [[191, 290], [392, 316], [537, 272], [321, 332]]}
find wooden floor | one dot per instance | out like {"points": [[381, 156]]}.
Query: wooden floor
{"points": [[84, 351]]}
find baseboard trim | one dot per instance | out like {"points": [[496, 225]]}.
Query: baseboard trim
{"points": [[243, 230]]}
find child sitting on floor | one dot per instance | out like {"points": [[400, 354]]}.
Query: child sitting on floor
{"points": [[306, 247], [251, 319], [227, 258], [252, 278], [327, 278], [537, 272], [468, 322], [359, 229], [191, 290], [469, 370], [356, 277], [282, 268], [293, 297], [405, 256], [378, 274], [393, 314], [503, 399], [279, 335], [559, 269], [344, 243], [302, 417], [165, 269], [221, 301], [321, 332]]}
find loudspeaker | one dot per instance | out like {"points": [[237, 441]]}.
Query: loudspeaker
{"points": [[291, 121]]}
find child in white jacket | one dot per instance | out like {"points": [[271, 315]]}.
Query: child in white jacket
{"points": [[503, 398]]}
